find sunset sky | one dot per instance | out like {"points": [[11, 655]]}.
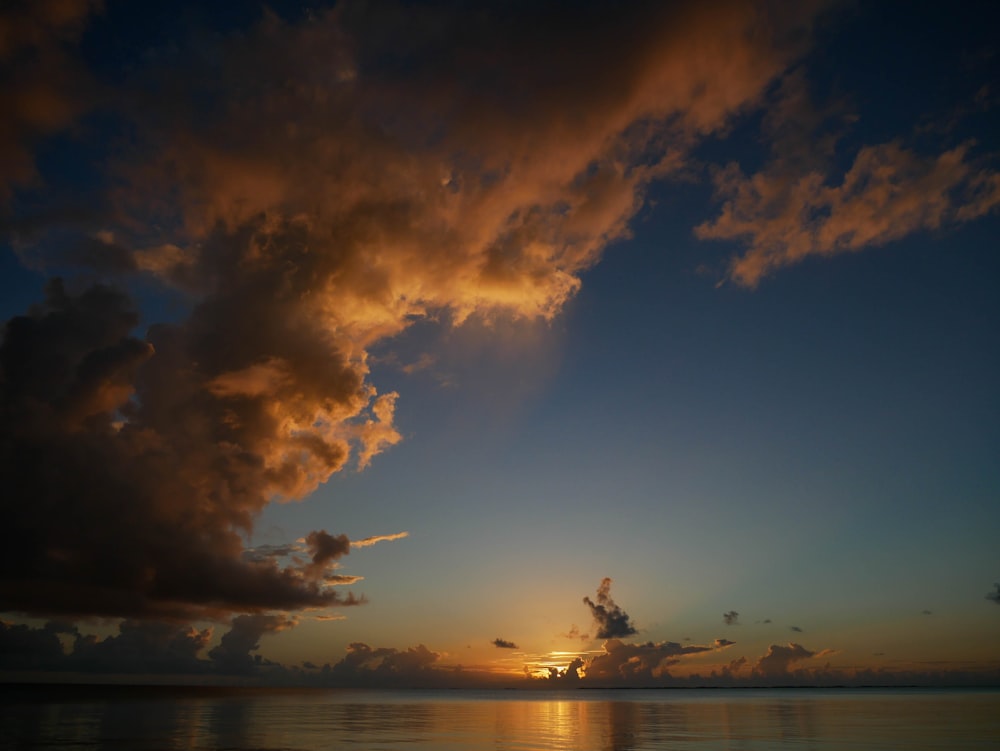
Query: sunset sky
{"points": [[484, 344]]}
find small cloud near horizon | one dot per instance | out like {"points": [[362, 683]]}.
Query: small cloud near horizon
{"points": [[504, 644]]}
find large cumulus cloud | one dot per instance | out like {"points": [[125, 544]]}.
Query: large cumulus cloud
{"points": [[310, 189]]}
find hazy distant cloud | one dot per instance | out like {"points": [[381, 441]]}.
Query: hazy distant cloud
{"points": [[612, 622], [504, 644], [994, 596], [780, 658], [926, 612], [233, 653], [341, 187], [795, 628], [574, 633], [732, 618], [384, 666], [889, 192]]}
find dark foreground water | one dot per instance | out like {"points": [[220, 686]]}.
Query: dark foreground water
{"points": [[701, 720]]}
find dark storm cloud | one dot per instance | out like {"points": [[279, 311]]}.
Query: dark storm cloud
{"points": [[311, 189], [504, 644], [612, 622], [732, 618]]}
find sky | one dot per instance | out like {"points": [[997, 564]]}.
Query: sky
{"points": [[514, 344]]}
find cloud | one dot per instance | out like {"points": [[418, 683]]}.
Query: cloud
{"points": [[161, 471], [41, 86], [148, 647], [637, 664], [574, 633], [720, 643], [612, 622], [994, 596], [325, 549], [352, 176], [796, 629], [926, 612], [888, 192], [504, 644], [384, 666], [732, 618], [369, 541], [779, 659], [232, 655]]}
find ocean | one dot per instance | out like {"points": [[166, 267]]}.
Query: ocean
{"points": [[241, 719]]}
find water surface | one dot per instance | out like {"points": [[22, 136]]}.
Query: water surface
{"points": [[306, 720]]}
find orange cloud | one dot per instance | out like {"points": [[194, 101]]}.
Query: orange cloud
{"points": [[327, 199], [889, 192], [369, 541]]}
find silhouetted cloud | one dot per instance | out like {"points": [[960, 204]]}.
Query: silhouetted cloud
{"points": [[780, 658], [504, 644], [720, 643], [994, 596], [732, 618], [795, 628], [233, 654], [612, 622], [637, 664]]}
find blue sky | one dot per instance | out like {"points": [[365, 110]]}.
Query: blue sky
{"points": [[711, 315]]}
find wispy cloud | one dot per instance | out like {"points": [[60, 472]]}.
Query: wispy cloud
{"points": [[369, 541], [889, 192], [732, 618]]}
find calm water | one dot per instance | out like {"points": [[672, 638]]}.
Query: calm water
{"points": [[245, 720]]}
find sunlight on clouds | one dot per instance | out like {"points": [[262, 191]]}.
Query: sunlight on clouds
{"points": [[889, 192]]}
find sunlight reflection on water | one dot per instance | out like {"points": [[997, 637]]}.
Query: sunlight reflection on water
{"points": [[749, 720]]}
